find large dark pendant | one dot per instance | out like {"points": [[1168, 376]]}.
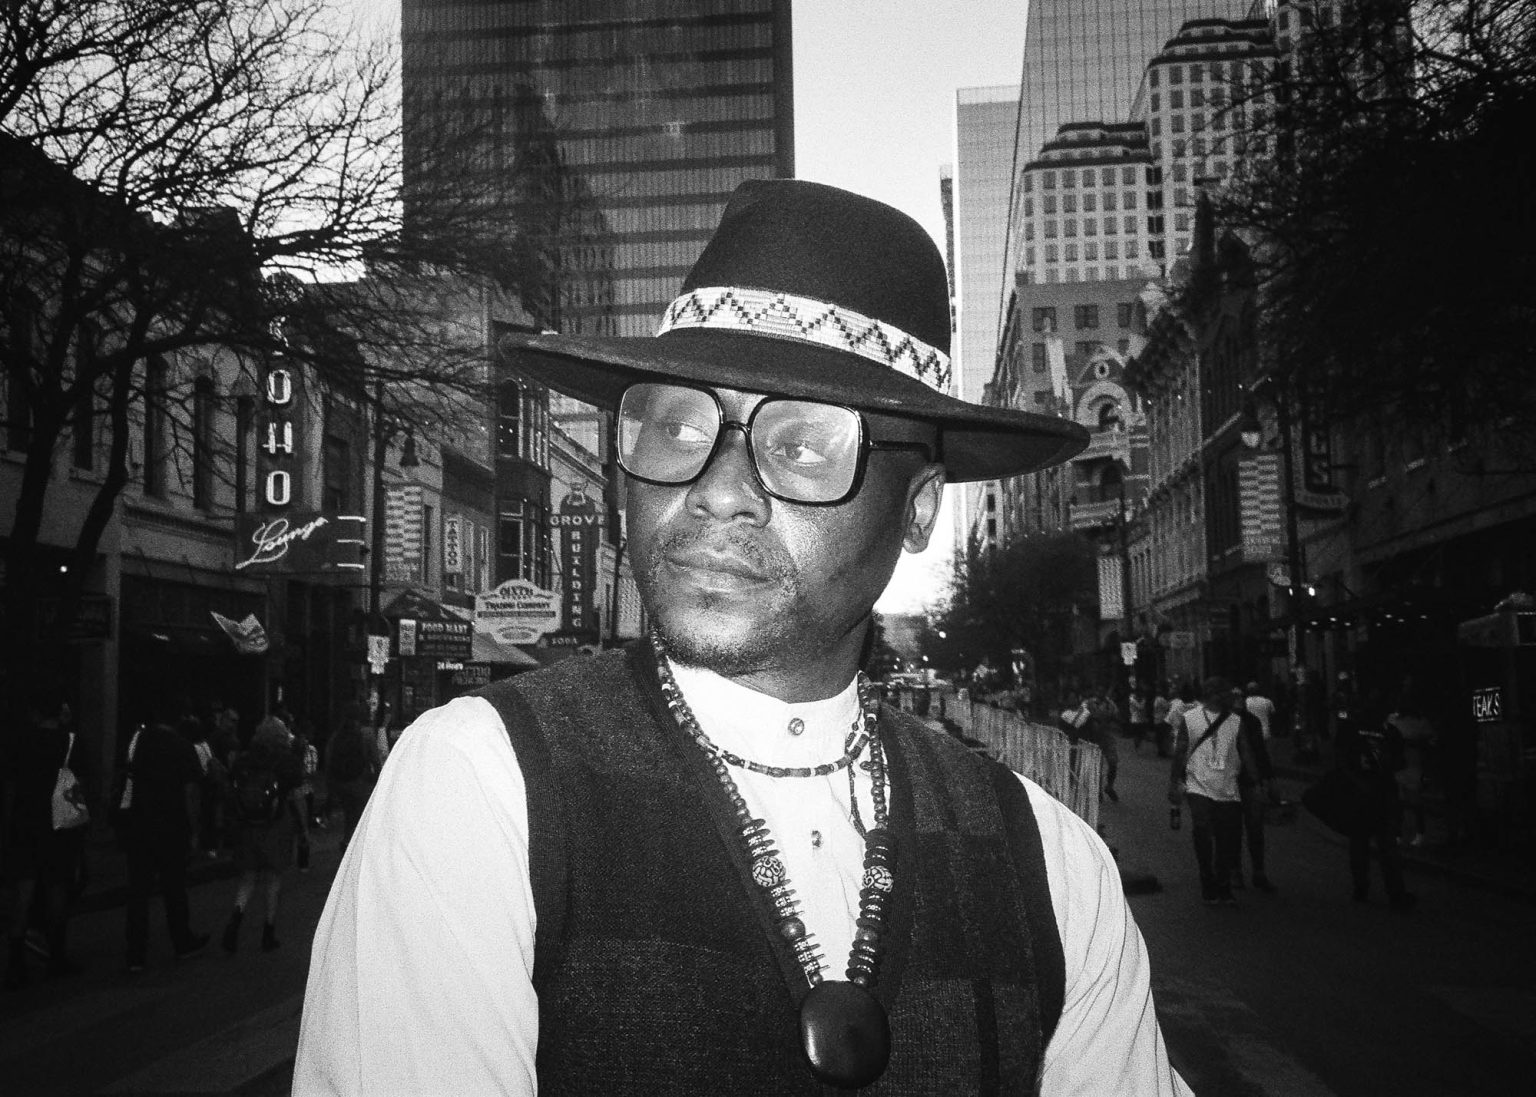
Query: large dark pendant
{"points": [[845, 1034]]}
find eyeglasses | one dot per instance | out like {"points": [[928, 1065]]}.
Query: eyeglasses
{"points": [[803, 451]]}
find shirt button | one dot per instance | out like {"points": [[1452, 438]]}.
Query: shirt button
{"points": [[796, 726]]}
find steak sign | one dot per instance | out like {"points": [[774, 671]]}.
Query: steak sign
{"points": [[517, 612]]}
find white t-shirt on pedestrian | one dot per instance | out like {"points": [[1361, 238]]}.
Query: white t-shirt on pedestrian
{"points": [[1212, 767], [1263, 709]]}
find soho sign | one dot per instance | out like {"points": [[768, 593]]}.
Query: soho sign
{"points": [[277, 491]]}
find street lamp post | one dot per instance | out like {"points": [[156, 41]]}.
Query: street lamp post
{"points": [[377, 626], [1296, 583]]}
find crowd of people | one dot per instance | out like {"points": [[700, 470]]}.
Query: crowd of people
{"points": [[185, 788], [1218, 739]]}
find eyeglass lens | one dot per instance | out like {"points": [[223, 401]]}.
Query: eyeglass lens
{"points": [[803, 450]]}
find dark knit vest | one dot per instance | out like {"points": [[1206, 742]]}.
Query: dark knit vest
{"points": [[657, 966]]}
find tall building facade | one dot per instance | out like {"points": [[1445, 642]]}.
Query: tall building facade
{"points": [[1084, 60], [622, 126], [983, 181]]}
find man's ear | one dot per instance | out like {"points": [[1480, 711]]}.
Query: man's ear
{"points": [[924, 495]]}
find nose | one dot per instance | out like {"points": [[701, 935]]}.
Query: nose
{"points": [[728, 488]]}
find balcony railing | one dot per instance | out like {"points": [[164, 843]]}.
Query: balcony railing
{"points": [[1107, 444], [1089, 515]]}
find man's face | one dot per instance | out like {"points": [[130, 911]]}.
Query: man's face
{"points": [[753, 587]]}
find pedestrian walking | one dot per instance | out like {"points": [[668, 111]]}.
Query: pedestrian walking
{"points": [[351, 768], [267, 803], [43, 833], [702, 808], [158, 806], [1215, 746], [1162, 736], [1370, 751], [1139, 716], [1256, 794], [1104, 733]]}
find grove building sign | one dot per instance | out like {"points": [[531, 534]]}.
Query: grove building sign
{"points": [[517, 612]]}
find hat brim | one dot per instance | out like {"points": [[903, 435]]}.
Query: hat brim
{"points": [[979, 442]]}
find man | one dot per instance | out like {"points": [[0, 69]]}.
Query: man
{"points": [[1262, 709], [1370, 750], [712, 863], [160, 801], [1218, 750]]}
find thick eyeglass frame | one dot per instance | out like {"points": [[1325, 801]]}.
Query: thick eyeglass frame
{"points": [[866, 443]]}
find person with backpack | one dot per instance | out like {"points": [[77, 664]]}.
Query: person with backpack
{"points": [[1219, 749], [267, 806]]}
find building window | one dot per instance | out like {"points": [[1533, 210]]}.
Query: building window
{"points": [[1107, 177], [1085, 349], [202, 442], [1112, 251], [1087, 177], [1132, 251], [156, 383], [1069, 227], [1085, 316], [509, 420], [1050, 203], [1029, 207], [83, 454], [1068, 179], [1037, 357], [1124, 312], [1176, 100], [1050, 229], [1090, 203], [1090, 226], [1069, 203], [1128, 176], [1110, 199], [1070, 255], [1050, 180], [1050, 257], [23, 311], [1044, 319], [1180, 172], [1130, 199], [245, 419], [335, 498], [1156, 104], [1091, 253], [1129, 225], [1111, 226], [1175, 74]]}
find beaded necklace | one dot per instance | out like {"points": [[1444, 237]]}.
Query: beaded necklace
{"points": [[844, 1031]]}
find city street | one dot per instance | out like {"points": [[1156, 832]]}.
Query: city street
{"points": [[1298, 994]]}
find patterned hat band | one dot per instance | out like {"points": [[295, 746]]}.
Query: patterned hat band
{"points": [[805, 320]]}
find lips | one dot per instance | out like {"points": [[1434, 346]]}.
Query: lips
{"points": [[726, 565]]}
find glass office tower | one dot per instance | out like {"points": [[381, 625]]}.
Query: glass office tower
{"points": [[618, 128], [1083, 62]]}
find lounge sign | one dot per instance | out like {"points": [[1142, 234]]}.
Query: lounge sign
{"points": [[517, 612], [298, 542]]}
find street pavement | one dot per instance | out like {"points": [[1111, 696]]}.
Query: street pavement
{"points": [[1299, 994], [1306, 993]]}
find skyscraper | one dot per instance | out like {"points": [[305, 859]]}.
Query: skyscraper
{"points": [[984, 130], [619, 126], [1084, 60]]}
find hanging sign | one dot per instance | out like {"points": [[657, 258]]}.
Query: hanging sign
{"points": [[299, 542], [453, 545], [517, 612], [581, 520]]}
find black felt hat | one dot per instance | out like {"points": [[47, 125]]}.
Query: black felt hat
{"points": [[813, 292]]}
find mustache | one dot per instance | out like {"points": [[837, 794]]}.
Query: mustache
{"points": [[766, 558]]}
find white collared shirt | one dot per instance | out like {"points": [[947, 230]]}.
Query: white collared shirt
{"points": [[420, 980]]}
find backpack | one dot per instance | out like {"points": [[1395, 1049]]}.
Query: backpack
{"points": [[256, 791]]}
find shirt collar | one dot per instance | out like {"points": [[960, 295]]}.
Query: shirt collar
{"points": [[757, 726]]}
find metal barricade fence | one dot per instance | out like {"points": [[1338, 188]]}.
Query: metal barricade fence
{"points": [[1070, 771]]}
